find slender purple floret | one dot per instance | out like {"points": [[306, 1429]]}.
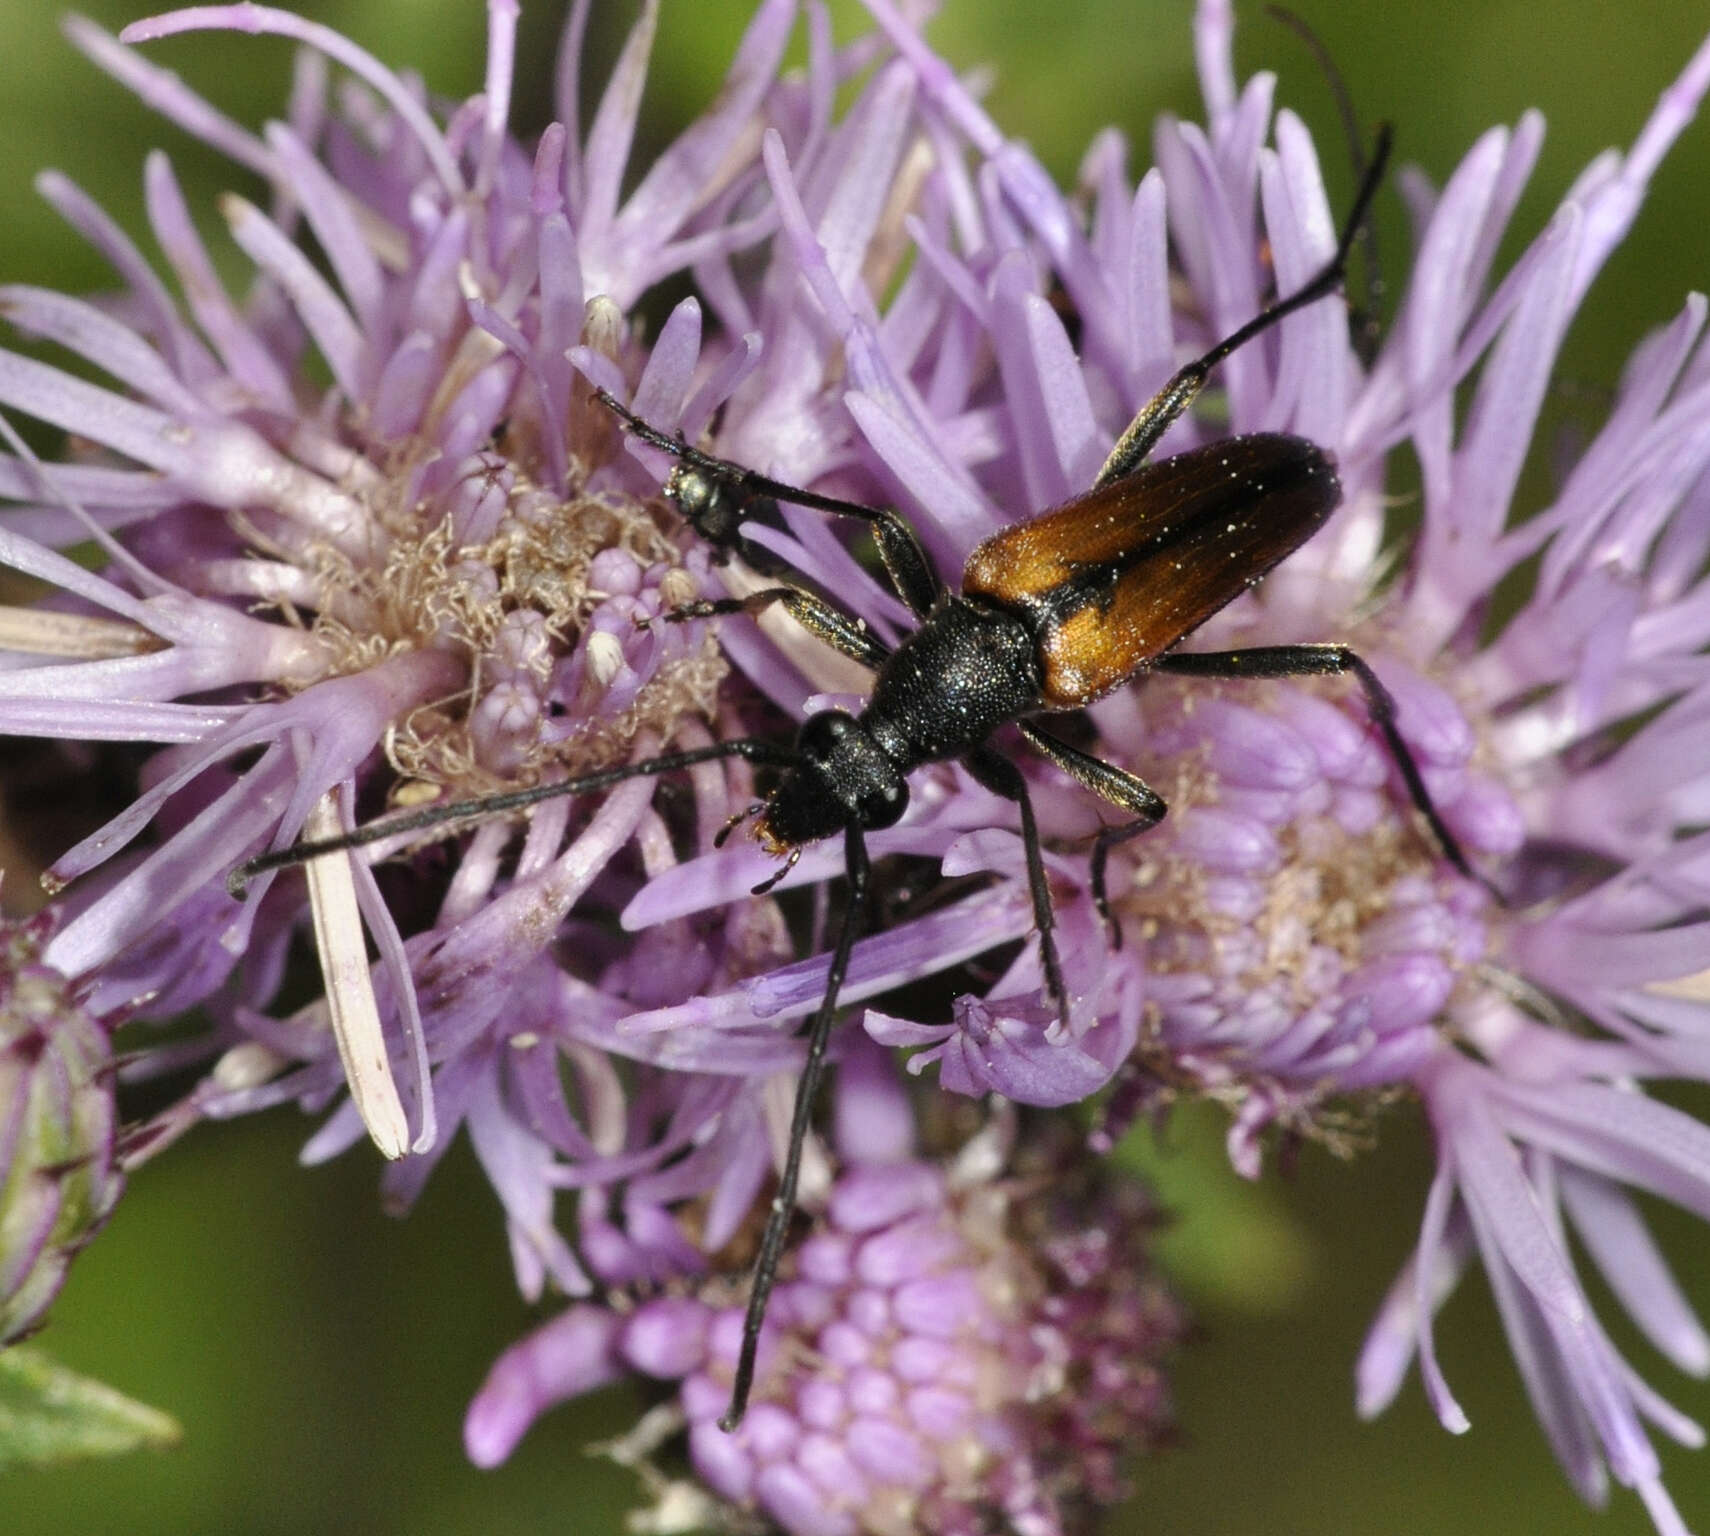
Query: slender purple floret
{"points": [[365, 539]]}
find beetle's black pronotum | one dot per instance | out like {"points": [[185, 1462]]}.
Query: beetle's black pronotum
{"points": [[1051, 614]]}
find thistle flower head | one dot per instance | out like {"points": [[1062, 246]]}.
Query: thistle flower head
{"points": [[434, 579], [952, 1346]]}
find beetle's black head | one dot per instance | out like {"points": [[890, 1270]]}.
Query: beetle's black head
{"points": [[841, 778]]}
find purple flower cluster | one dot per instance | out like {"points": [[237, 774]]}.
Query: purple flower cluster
{"points": [[952, 1344], [367, 539]]}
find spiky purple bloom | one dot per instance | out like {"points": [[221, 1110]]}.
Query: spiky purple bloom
{"points": [[425, 580], [432, 576], [1293, 938]]}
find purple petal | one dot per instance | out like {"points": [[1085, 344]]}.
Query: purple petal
{"points": [[571, 1355]]}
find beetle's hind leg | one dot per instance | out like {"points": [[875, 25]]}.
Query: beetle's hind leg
{"points": [[1122, 789], [1330, 660]]}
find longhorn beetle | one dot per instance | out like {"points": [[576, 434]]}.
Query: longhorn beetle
{"points": [[1052, 614]]}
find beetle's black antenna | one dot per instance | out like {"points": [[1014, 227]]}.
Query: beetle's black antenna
{"points": [[1164, 408], [807, 1090], [1303, 29], [1335, 270], [765, 752], [1368, 314]]}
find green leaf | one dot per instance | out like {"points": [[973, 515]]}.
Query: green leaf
{"points": [[49, 1414]]}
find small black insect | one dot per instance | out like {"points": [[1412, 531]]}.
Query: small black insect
{"points": [[1052, 614]]}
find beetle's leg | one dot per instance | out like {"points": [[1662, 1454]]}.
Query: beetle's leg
{"points": [[906, 562], [1319, 661], [841, 631], [767, 752], [1002, 777], [912, 574], [783, 1206], [1159, 413], [1122, 789]]}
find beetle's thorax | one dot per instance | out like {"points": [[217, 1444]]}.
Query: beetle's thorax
{"points": [[970, 667]]}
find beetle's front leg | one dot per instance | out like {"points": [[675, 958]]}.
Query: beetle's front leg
{"points": [[841, 631], [998, 774], [1125, 790]]}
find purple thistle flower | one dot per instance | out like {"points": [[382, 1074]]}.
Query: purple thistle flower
{"points": [[1293, 939], [426, 579], [953, 1345], [440, 569]]}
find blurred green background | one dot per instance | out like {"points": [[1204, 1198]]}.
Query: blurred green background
{"points": [[320, 1355]]}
